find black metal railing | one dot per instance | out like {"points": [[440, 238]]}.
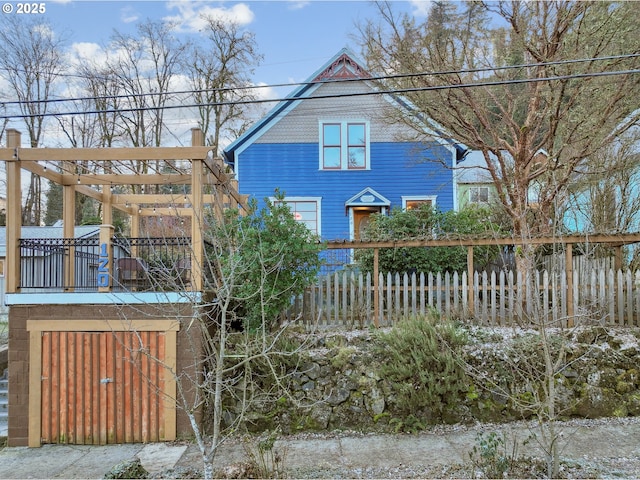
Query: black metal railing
{"points": [[75, 264], [58, 263], [152, 263]]}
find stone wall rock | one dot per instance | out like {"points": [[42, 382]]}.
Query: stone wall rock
{"points": [[337, 385]]}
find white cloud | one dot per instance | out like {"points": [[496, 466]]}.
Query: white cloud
{"points": [[420, 8], [265, 92], [191, 15], [129, 15], [298, 4], [82, 51]]}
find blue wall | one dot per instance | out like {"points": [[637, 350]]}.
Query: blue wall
{"points": [[396, 170]]}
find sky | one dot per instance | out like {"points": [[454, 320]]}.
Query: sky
{"points": [[295, 37]]}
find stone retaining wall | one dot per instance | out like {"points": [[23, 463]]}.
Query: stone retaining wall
{"points": [[336, 385]]}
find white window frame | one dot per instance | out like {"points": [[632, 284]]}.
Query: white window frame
{"points": [[419, 198], [344, 146], [317, 200]]}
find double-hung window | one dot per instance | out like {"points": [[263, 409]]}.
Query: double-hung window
{"points": [[344, 145]]}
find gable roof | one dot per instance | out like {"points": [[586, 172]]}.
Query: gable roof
{"points": [[473, 169], [341, 67]]}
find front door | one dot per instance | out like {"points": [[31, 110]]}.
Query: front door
{"points": [[361, 217]]}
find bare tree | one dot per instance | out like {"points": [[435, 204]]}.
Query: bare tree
{"points": [[218, 70], [514, 79], [512, 91], [253, 265], [98, 84], [143, 67], [31, 59]]}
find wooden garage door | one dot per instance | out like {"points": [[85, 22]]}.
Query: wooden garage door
{"points": [[102, 387]]}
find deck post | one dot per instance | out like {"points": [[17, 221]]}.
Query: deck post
{"points": [[14, 213], [68, 232], [197, 171], [106, 267]]}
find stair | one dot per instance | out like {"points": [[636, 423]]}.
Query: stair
{"points": [[4, 405]]}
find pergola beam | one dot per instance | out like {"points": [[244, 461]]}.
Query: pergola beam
{"points": [[612, 240], [104, 154], [72, 169], [116, 179]]}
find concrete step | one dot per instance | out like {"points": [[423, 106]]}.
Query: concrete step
{"points": [[4, 406]]}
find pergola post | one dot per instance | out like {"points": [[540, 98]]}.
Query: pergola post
{"points": [[14, 213], [68, 232], [197, 171], [106, 268]]}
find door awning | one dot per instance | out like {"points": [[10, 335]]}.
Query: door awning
{"points": [[367, 198]]}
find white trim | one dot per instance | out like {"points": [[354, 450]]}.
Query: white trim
{"points": [[406, 198], [454, 183], [344, 161], [352, 222], [95, 298], [378, 201]]}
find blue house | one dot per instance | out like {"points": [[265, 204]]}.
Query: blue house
{"points": [[331, 148]]}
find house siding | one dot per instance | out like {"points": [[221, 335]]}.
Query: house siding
{"points": [[396, 169], [302, 120]]}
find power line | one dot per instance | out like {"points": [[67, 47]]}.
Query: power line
{"points": [[319, 82], [329, 96]]}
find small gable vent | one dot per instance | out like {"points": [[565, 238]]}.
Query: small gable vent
{"points": [[343, 67]]}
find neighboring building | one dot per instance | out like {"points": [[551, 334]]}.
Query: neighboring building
{"points": [[338, 159], [474, 183]]}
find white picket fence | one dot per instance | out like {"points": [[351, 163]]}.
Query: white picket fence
{"points": [[346, 298]]}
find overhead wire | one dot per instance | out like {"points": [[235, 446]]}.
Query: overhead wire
{"points": [[320, 82], [330, 80]]}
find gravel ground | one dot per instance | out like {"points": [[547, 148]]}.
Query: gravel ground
{"points": [[526, 465]]}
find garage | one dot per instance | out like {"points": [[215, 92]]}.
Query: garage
{"points": [[111, 382]]}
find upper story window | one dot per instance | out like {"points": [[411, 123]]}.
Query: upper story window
{"points": [[345, 146]]}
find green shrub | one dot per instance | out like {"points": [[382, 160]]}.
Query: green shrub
{"points": [[494, 456], [421, 366], [425, 222], [259, 261]]}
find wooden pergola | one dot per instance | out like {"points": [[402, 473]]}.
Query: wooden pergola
{"points": [[615, 241], [95, 172]]}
